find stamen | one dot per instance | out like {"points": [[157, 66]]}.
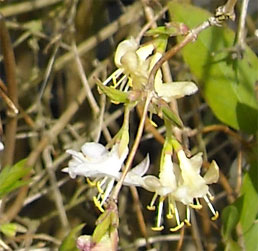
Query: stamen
{"points": [[159, 216], [196, 206], [97, 204], [99, 187], [177, 215], [157, 228], [215, 213], [188, 216], [171, 210], [211, 197], [174, 229], [107, 191], [216, 216], [121, 80], [91, 183], [115, 74], [151, 207]]}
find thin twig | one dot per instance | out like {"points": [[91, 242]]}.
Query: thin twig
{"points": [[54, 187], [84, 80], [19, 8], [135, 146], [241, 31]]}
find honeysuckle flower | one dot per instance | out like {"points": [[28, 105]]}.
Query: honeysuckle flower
{"points": [[181, 184], [135, 63], [192, 185], [164, 187], [96, 162]]}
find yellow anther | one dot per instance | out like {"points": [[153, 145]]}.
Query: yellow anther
{"points": [[174, 229], [157, 228], [188, 223], [169, 215], [114, 81], [216, 216], [151, 207], [130, 82], [153, 123], [197, 207], [97, 204], [91, 183], [99, 188]]}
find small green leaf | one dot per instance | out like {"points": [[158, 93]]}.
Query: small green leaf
{"points": [[11, 177], [69, 243], [114, 94], [103, 227], [8, 229], [170, 30], [171, 116], [230, 218]]}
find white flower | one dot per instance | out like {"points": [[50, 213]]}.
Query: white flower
{"points": [[182, 184], [96, 162], [164, 187], [191, 184], [1, 146]]}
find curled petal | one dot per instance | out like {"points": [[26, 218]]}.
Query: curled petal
{"points": [[169, 91], [124, 47], [93, 150], [212, 175], [151, 183]]}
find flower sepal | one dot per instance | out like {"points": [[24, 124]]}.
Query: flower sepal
{"points": [[115, 95]]}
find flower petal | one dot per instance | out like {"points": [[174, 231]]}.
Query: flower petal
{"points": [[124, 47], [169, 91], [93, 150], [212, 175]]}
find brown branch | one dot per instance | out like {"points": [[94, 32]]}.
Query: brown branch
{"points": [[12, 92]]}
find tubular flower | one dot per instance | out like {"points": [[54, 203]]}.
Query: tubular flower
{"points": [[164, 187], [182, 184], [96, 162], [192, 185], [134, 65]]}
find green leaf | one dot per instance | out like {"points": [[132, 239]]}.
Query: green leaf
{"points": [[230, 217], [171, 116], [232, 246], [171, 29], [114, 94], [227, 84], [102, 228], [8, 229], [247, 203], [69, 243], [11, 177], [106, 224]]}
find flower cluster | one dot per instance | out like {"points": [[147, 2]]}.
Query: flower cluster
{"points": [[134, 65], [181, 184]]}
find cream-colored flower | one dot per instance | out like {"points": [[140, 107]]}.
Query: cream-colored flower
{"points": [[135, 63], [191, 184], [181, 184]]}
